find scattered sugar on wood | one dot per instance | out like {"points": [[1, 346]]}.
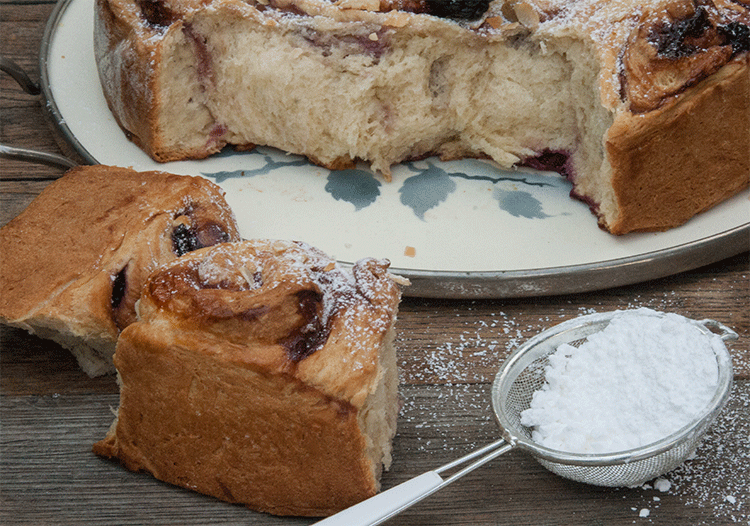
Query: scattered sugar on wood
{"points": [[716, 477]]}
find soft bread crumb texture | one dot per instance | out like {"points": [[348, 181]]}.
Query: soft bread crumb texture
{"points": [[602, 83]]}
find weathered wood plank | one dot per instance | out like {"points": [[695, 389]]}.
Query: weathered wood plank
{"points": [[23, 123], [50, 476], [449, 351]]}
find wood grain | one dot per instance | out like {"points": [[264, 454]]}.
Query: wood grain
{"points": [[449, 352]]}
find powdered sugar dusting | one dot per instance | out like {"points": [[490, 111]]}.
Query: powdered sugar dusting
{"points": [[437, 430], [362, 302], [640, 379], [473, 354]]}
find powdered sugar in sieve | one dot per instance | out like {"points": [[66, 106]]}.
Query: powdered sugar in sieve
{"points": [[640, 379], [644, 350]]}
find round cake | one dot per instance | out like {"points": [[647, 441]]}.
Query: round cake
{"points": [[643, 105]]}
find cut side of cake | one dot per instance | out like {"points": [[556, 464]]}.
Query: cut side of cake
{"points": [[644, 106], [261, 373], [75, 259]]}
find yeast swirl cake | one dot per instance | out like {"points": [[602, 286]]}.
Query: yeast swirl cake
{"points": [[261, 373], [643, 105]]}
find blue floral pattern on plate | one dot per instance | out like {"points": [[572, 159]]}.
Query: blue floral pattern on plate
{"points": [[431, 184]]}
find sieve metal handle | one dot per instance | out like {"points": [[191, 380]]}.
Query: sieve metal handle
{"points": [[390, 503], [725, 333]]}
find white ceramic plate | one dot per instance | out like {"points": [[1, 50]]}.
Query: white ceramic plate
{"points": [[456, 229]]}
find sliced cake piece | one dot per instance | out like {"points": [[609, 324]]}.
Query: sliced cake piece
{"points": [[74, 261], [261, 373]]}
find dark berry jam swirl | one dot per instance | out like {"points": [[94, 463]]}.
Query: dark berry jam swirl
{"points": [[119, 288], [452, 9], [668, 54], [550, 161], [458, 9], [200, 233], [737, 35], [693, 34], [310, 337], [155, 14]]}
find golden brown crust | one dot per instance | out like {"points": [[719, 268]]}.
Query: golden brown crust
{"points": [[122, 56], [263, 440], [661, 175], [129, 54], [250, 373], [76, 258]]}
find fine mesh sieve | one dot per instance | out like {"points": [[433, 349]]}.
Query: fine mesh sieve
{"points": [[521, 375]]}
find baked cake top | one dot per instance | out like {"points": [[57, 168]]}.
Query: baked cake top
{"points": [[281, 307]]}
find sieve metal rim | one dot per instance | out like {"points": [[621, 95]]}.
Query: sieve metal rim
{"points": [[579, 328]]}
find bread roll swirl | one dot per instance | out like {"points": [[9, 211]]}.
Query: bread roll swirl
{"points": [[261, 372], [76, 258], [267, 292]]}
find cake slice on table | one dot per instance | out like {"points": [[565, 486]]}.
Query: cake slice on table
{"points": [[643, 104], [261, 373], [74, 261]]}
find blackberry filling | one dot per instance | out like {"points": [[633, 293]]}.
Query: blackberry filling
{"points": [[549, 161], [183, 240], [458, 9], [122, 309], [186, 239], [119, 287], [697, 32], [681, 39], [454, 9], [737, 35], [309, 338], [156, 14]]}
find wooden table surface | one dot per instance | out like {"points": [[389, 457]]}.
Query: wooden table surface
{"points": [[449, 351]]}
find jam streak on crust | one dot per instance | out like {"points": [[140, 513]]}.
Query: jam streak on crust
{"points": [[201, 233], [667, 54], [296, 315], [155, 14], [119, 287], [307, 339], [122, 299]]}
